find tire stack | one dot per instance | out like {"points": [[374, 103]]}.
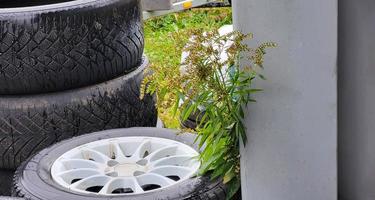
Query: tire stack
{"points": [[68, 67]]}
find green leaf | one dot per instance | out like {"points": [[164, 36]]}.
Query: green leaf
{"points": [[187, 111], [241, 112], [262, 76], [229, 175], [175, 107], [233, 188], [207, 163], [242, 132], [220, 170], [254, 90]]}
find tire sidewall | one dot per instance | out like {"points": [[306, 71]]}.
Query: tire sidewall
{"points": [[55, 7], [36, 179]]}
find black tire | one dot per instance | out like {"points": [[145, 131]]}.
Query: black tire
{"points": [[192, 121], [10, 198], [6, 177], [33, 182], [55, 47], [188, 124], [33, 122]]}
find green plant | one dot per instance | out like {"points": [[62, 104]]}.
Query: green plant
{"points": [[166, 36], [220, 90]]}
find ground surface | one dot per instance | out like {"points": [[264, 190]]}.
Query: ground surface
{"points": [[161, 44]]}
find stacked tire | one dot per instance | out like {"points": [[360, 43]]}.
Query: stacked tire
{"points": [[68, 67]]}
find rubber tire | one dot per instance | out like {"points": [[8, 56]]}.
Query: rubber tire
{"points": [[10, 198], [192, 121], [33, 182], [33, 122], [69, 45], [6, 177]]}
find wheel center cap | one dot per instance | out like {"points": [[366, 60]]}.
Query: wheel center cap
{"points": [[127, 169]]}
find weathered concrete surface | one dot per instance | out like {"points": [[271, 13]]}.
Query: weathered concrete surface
{"points": [[356, 100], [292, 129]]}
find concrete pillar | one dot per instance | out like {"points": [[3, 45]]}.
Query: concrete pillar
{"points": [[292, 129], [356, 99]]}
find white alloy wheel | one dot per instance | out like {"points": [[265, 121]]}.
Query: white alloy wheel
{"points": [[125, 165]]}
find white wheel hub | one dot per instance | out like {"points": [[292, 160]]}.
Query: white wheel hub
{"points": [[125, 165]]}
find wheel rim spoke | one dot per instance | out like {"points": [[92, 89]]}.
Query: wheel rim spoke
{"points": [[80, 163], [119, 153], [105, 189], [138, 188], [144, 147], [179, 160], [128, 185], [95, 180], [127, 165], [152, 178], [170, 170], [70, 176], [94, 155], [81, 172], [162, 153]]}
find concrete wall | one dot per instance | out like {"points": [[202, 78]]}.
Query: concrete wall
{"points": [[292, 129], [357, 99]]}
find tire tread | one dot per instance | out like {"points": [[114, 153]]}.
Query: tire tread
{"points": [[66, 49], [27, 128]]}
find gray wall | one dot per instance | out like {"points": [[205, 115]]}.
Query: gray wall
{"points": [[357, 99], [292, 129]]}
